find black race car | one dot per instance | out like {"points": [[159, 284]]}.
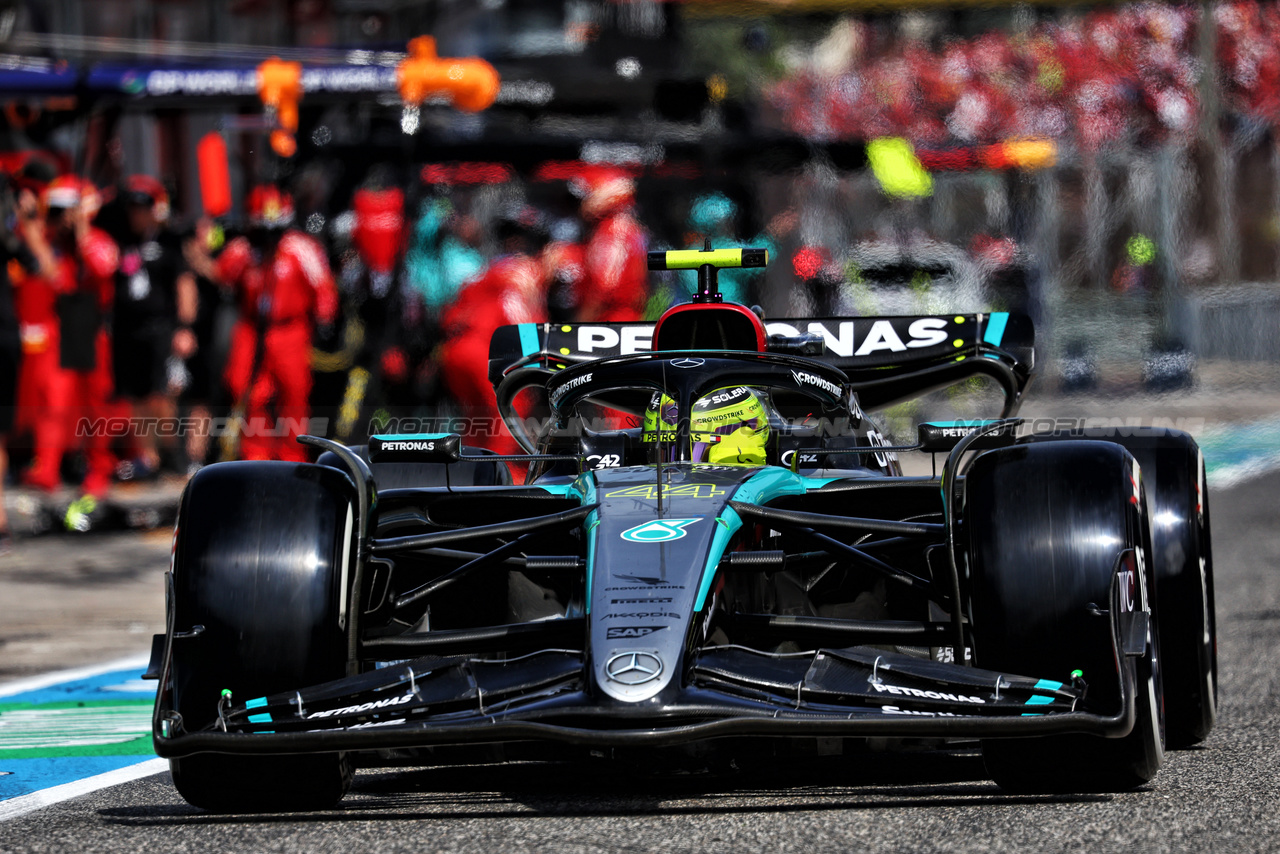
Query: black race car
{"points": [[666, 580]]}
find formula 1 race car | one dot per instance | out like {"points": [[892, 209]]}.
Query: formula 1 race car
{"points": [[714, 550]]}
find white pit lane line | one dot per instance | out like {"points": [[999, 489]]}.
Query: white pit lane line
{"points": [[48, 680], [23, 804]]}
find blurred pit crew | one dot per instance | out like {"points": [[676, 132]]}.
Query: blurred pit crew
{"points": [[512, 289], [21, 207], [155, 306], [715, 216], [283, 287], [204, 364], [565, 261], [617, 275], [66, 369]]}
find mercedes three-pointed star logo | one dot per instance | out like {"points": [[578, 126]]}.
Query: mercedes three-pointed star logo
{"points": [[688, 363], [633, 668]]}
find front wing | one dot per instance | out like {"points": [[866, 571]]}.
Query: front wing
{"points": [[730, 691]]}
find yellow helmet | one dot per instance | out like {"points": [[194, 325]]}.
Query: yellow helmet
{"points": [[728, 427]]}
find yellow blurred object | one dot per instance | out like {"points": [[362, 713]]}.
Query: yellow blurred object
{"points": [[1031, 153], [894, 163], [717, 87], [471, 83]]}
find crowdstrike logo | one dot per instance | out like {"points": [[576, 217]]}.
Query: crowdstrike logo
{"points": [[806, 378], [569, 386]]}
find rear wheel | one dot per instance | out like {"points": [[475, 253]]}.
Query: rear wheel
{"points": [[259, 563], [1050, 527]]}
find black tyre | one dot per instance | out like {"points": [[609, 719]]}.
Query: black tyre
{"points": [[258, 563], [1049, 527], [1173, 471]]}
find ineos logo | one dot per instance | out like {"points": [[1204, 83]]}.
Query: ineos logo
{"points": [[633, 668]]}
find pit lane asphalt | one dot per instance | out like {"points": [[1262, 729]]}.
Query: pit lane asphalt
{"points": [[1222, 796]]}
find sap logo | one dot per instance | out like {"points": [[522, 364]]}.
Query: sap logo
{"points": [[922, 332], [620, 632], [627, 340]]}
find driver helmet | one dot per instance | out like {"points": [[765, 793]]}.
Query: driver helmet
{"points": [[728, 427]]}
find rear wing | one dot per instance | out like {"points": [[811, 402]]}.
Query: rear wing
{"points": [[887, 359]]}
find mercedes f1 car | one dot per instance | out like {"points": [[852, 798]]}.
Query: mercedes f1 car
{"points": [[713, 549]]}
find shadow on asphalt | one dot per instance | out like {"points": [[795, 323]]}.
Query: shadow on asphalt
{"points": [[862, 781]]}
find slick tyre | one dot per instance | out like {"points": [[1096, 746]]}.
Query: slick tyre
{"points": [[258, 563], [1173, 470], [1059, 540]]}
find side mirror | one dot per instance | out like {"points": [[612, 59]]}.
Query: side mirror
{"points": [[942, 436]]}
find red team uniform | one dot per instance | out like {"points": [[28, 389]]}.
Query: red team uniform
{"points": [[280, 298], [511, 290], [53, 399], [617, 275]]}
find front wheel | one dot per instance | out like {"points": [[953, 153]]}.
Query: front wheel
{"points": [[259, 563], [1183, 564], [1053, 530]]}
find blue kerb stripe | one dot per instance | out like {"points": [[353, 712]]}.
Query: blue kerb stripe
{"points": [[1048, 685], [254, 704], [996, 322], [1037, 700], [260, 719], [528, 339]]}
